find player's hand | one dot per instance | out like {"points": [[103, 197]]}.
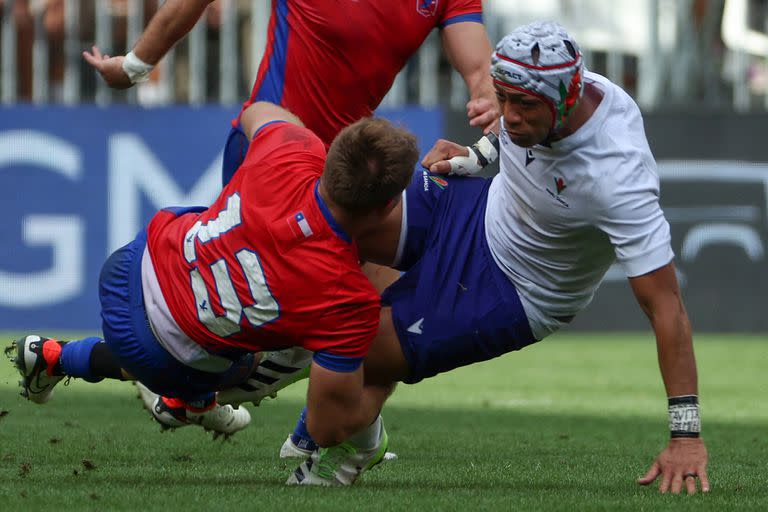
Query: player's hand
{"points": [[682, 463], [437, 158], [110, 68], [484, 112]]}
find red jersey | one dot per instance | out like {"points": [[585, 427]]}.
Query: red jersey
{"points": [[331, 62], [266, 266]]}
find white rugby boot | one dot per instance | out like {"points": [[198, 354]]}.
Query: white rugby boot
{"points": [[222, 420], [36, 359], [291, 450], [275, 371], [339, 465], [173, 413], [168, 417]]}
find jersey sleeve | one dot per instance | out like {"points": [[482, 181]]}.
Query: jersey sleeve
{"points": [[458, 11], [630, 215], [348, 330]]}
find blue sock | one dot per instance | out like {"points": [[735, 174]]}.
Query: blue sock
{"points": [[76, 359], [300, 436]]}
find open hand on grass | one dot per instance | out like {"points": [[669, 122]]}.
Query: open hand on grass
{"points": [[683, 462]]}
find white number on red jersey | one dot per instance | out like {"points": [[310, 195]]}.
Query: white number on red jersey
{"points": [[263, 309]]}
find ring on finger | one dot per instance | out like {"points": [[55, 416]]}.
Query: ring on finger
{"points": [[689, 475]]}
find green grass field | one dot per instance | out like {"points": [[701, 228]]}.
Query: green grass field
{"points": [[568, 424]]}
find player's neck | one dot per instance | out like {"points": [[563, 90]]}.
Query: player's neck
{"points": [[354, 226], [584, 110]]}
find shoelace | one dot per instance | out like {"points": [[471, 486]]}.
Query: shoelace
{"points": [[331, 458]]}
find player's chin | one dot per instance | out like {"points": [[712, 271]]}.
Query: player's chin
{"points": [[523, 140]]}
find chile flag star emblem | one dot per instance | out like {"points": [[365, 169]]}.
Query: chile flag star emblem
{"points": [[299, 226]]}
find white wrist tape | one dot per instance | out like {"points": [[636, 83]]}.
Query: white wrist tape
{"points": [[465, 165], [684, 419], [481, 153], [136, 69]]}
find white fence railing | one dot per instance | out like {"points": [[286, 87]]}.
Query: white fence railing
{"points": [[681, 53]]}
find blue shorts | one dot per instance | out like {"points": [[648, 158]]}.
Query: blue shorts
{"points": [[130, 338], [453, 306], [234, 153]]}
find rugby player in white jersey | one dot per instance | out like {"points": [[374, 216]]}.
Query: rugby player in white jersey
{"points": [[495, 265]]}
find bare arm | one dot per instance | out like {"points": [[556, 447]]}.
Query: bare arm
{"points": [[173, 20], [469, 52], [658, 294], [263, 112]]}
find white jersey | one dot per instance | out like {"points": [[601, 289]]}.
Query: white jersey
{"points": [[558, 216]]}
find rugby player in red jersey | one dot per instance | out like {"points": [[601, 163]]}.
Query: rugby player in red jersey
{"points": [[330, 62], [272, 264]]}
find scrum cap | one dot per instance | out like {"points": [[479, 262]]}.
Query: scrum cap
{"points": [[542, 60]]}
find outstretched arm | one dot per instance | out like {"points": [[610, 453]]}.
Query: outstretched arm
{"points": [[469, 52], [171, 22], [685, 458]]}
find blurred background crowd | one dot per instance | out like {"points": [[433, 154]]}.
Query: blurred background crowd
{"points": [[688, 53]]}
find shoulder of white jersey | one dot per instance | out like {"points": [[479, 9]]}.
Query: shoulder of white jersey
{"points": [[618, 93]]}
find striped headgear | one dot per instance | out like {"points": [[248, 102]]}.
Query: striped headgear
{"points": [[542, 60]]}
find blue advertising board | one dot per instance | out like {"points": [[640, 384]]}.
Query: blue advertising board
{"points": [[77, 183]]}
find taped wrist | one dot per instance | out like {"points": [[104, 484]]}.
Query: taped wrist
{"points": [[684, 420], [136, 69], [481, 153]]}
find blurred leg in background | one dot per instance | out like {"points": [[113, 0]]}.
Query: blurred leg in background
{"points": [[23, 23]]}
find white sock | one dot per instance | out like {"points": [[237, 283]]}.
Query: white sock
{"points": [[368, 438]]}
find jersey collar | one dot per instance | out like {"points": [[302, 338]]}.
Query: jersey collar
{"points": [[329, 216]]}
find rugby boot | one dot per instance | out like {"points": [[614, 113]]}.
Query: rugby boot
{"points": [[222, 420], [275, 371], [37, 360], [292, 448], [172, 413], [339, 465]]}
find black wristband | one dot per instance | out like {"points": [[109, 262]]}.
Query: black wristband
{"points": [[479, 154]]}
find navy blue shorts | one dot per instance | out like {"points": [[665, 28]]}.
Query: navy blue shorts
{"points": [[234, 153], [453, 306], [130, 338]]}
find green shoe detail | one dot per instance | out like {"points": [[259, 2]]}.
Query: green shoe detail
{"points": [[332, 458], [382, 449]]}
